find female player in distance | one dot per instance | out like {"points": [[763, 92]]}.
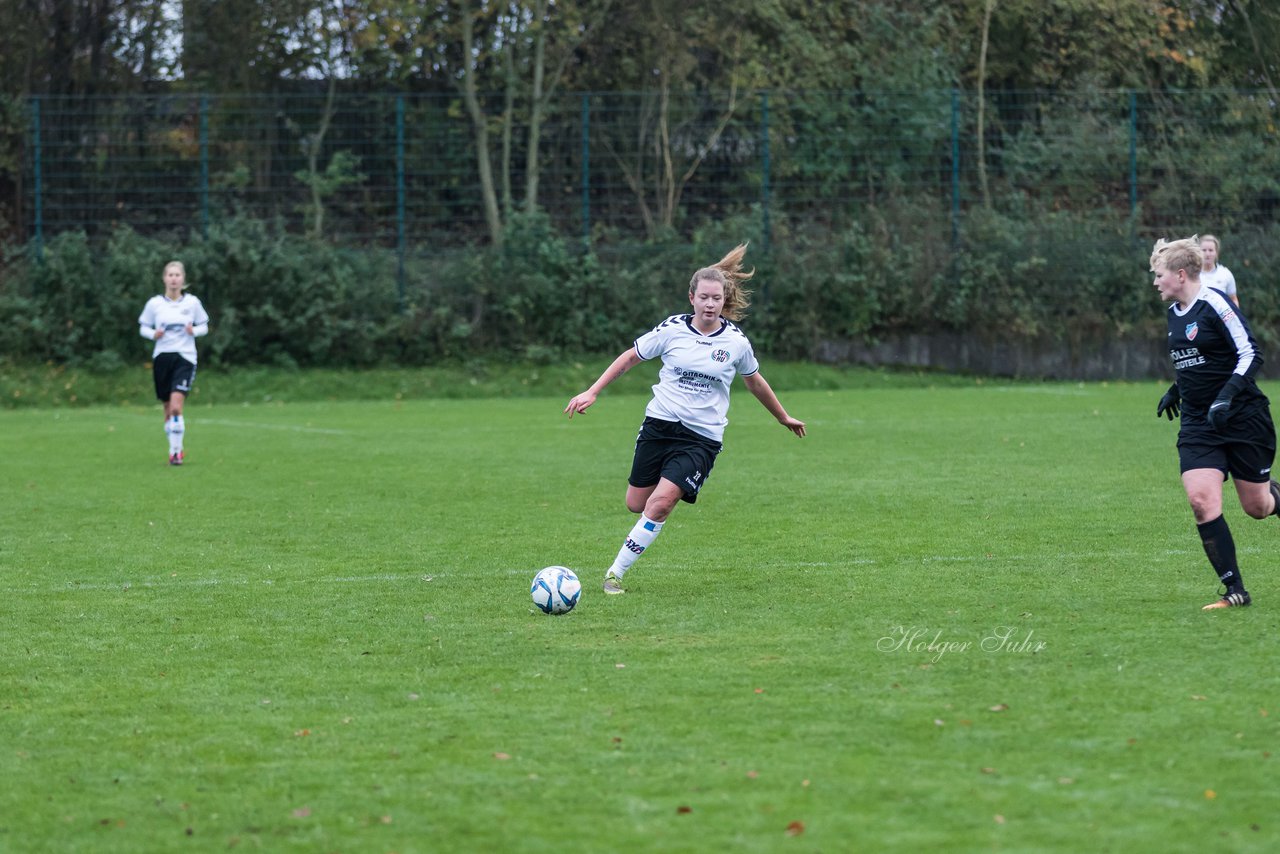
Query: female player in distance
{"points": [[684, 422], [1213, 274], [174, 320], [1226, 428]]}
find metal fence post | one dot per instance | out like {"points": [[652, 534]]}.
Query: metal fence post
{"points": [[204, 166], [586, 171], [955, 166], [37, 178], [400, 226], [1133, 155], [764, 169]]}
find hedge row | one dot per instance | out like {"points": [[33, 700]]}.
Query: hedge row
{"points": [[281, 299]]}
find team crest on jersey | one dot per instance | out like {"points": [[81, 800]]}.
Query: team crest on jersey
{"points": [[1193, 329], [720, 356]]}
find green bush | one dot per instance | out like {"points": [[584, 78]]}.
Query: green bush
{"points": [[283, 300]]}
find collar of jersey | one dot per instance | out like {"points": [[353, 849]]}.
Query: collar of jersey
{"points": [[688, 321]]}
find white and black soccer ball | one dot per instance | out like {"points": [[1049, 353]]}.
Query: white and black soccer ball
{"points": [[555, 590]]}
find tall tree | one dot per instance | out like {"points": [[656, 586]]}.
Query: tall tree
{"points": [[518, 49], [1251, 35]]}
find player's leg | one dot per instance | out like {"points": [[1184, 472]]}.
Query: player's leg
{"points": [[1204, 493], [638, 496], [162, 375], [184, 377], [652, 447], [658, 502], [176, 426], [1259, 500], [1249, 459]]}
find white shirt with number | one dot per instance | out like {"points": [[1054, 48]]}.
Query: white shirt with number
{"points": [[1219, 278], [697, 369], [173, 316]]}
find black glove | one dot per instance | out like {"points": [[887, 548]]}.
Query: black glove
{"points": [[1220, 409], [1168, 405]]}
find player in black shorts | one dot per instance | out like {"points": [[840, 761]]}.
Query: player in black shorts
{"points": [[1226, 427], [701, 352], [173, 321]]}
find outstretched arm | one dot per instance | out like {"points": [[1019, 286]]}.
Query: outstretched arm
{"points": [[625, 362], [758, 386]]}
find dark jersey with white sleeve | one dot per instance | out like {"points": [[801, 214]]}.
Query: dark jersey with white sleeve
{"points": [[1209, 341]]}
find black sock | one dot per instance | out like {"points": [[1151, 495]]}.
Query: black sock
{"points": [[1221, 550]]}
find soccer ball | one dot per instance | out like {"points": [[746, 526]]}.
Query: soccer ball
{"points": [[555, 590]]}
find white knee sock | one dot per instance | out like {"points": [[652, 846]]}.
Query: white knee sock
{"points": [[175, 427], [640, 538]]}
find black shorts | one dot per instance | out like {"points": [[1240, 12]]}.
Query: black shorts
{"points": [[671, 450], [172, 373], [1245, 450]]}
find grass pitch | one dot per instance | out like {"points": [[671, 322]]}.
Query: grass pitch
{"points": [[952, 618]]}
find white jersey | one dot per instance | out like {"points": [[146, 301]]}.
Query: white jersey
{"points": [[697, 369], [1219, 278], [173, 316]]}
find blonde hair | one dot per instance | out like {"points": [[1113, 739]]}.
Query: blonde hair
{"points": [[180, 266], [1177, 255], [1217, 244], [729, 273]]}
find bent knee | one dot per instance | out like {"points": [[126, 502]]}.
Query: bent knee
{"points": [[1205, 507], [1258, 510]]}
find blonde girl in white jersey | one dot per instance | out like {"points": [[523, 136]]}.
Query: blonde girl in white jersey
{"points": [[684, 422], [1213, 274], [173, 320]]}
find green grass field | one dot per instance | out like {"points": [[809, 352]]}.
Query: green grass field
{"points": [[957, 616]]}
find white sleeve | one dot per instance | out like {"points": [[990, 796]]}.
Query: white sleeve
{"points": [[747, 363], [654, 342], [147, 322]]}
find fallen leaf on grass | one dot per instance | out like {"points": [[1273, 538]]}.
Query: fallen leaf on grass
{"points": [[1199, 697], [999, 819], [999, 707], [302, 733], [988, 770], [1210, 794], [502, 757], [302, 812], [753, 774], [795, 828], [683, 810]]}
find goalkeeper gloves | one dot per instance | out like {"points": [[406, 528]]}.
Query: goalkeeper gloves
{"points": [[1220, 409], [1168, 405]]}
